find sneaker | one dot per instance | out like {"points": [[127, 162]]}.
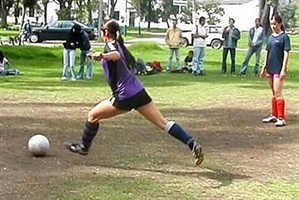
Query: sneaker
{"points": [[280, 122], [269, 119], [76, 148], [63, 78], [197, 153], [17, 72], [73, 79]]}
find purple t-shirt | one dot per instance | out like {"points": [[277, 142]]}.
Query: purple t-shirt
{"points": [[276, 47], [122, 81]]}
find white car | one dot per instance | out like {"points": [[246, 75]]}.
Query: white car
{"points": [[214, 38]]}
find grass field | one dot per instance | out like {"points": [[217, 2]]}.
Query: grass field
{"points": [[131, 159]]}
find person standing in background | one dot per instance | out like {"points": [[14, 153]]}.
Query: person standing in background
{"points": [[69, 54], [231, 36], [85, 47], [275, 68], [199, 35], [173, 40], [256, 39]]}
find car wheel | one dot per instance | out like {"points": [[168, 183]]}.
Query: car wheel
{"points": [[216, 44], [184, 42], [34, 38]]}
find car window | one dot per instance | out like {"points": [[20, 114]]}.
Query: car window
{"points": [[214, 29], [55, 25], [67, 24], [82, 25]]}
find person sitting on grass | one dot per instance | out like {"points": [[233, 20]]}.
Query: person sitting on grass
{"points": [[4, 61], [188, 62]]}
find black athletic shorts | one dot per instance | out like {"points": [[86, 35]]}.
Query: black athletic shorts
{"points": [[134, 102]]}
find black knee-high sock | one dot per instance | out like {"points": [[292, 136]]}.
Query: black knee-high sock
{"points": [[90, 131]]}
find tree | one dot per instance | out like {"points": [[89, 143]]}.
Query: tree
{"points": [[5, 6], [28, 4], [17, 10], [45, 8], [146, 9], [112, 7], [167, 10], [214, 12], [288, 14], [65, 7], [265, 7]]}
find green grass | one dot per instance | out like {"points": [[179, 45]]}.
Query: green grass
{"points": [[128, 188], [41, 83]]}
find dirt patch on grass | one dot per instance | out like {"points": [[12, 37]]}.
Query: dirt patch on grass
{"points": [[236, 144]]}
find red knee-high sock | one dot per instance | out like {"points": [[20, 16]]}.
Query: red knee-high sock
{"points": [[281, 108], [274, 107]]}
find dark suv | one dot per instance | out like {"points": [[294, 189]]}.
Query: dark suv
{"points": [[59, 30]]}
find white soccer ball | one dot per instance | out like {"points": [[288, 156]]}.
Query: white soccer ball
{"points": [[38, 145]]}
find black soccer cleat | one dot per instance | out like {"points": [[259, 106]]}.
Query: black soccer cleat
{"points": [[77, 148]]}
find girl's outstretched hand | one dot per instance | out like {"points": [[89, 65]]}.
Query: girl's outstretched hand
{"points": [[96, 56]]}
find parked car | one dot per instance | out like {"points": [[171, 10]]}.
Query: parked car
{"points": [[59, 30], [214, 38]]}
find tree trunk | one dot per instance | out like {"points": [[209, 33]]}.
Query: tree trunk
{"points": [[3, 14], [4, 19], [45, 13], [264, 14], [149, 12], [89, 11], [23, 15]]}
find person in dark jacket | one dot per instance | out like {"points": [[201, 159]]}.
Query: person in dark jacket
{"points": [[85, 47], [231, 36], [256, 39], [69, 54]]}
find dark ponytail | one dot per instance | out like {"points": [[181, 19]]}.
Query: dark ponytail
{"points": [[114, 30], [278, 19]]}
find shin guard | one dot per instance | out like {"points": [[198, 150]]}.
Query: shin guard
{"points": [[281, 108], [274, 107], [179, 133], [90, 131]]}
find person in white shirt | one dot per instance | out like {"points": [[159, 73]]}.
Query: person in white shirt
{"points": [[256, 39], [199, 35], [4, 61]]}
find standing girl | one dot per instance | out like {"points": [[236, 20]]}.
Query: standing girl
{"points": [[275, 68], [128, 93]]}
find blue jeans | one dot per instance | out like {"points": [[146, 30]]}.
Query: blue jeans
{"points": [[83, 57], [198, 58], [69, 56], [251, 50], [177, 55]]}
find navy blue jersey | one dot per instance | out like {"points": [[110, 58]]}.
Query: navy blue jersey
{"points": [[276, 47], [123, 82]]}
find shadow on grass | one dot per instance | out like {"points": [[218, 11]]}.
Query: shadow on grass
{"points": [[224, 177]]}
